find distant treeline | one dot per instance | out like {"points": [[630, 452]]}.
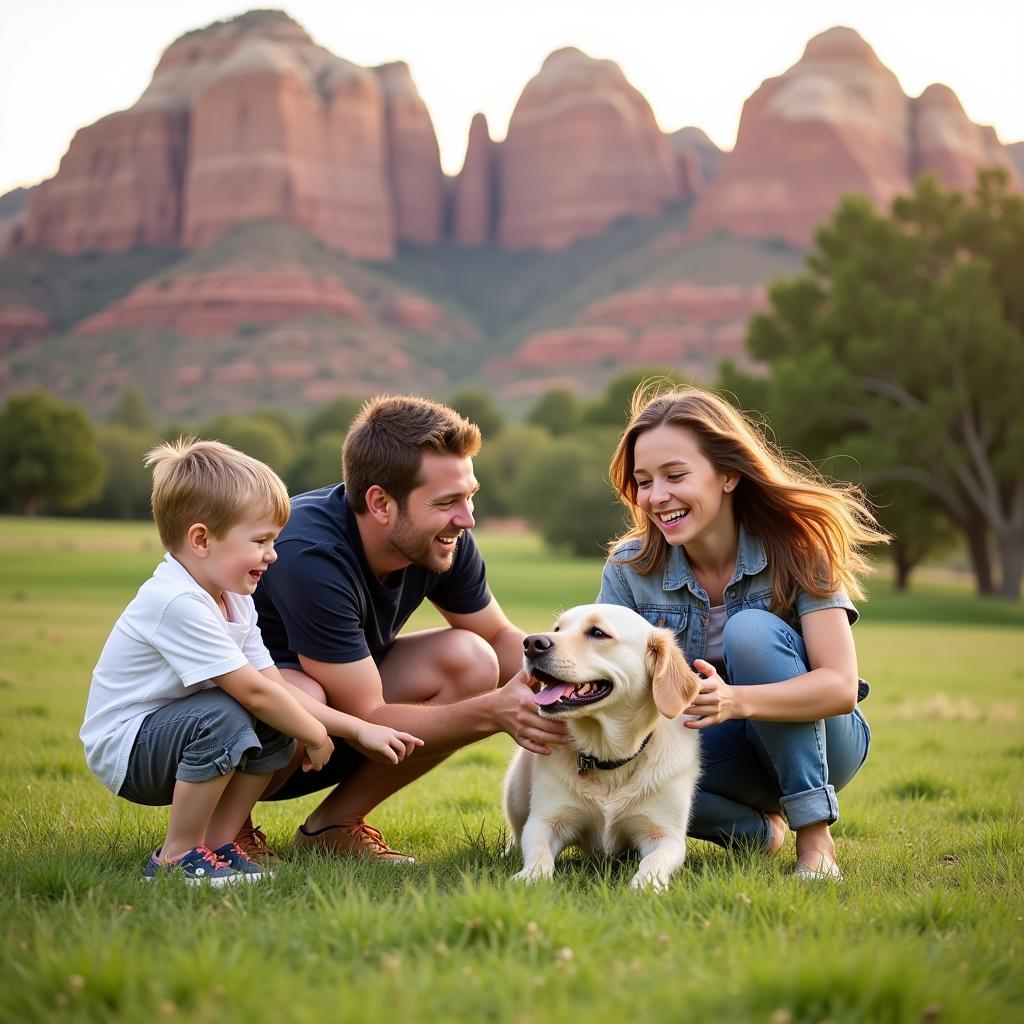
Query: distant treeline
{"points": [[895, 362]]}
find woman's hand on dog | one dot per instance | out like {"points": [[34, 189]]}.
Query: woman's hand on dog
{"points": [[519, 717], [716, 701]]}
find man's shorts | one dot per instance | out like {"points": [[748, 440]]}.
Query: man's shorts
{"points": [[344, 761], [200, 737]]}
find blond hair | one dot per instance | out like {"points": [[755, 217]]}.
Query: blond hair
{"points": [[210, 483], [387, 439], [813, 531]]}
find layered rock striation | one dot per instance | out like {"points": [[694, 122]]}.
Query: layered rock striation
{"points": [[836, 122], [582, 151], [474, 201], [249, 119], [949, 144], [246, 120]]}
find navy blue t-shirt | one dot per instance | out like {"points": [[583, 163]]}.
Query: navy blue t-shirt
{"points": [[320, 598]]}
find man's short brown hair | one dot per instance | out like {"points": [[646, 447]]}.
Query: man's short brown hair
{"points": [[210, 483], [387, 439]]}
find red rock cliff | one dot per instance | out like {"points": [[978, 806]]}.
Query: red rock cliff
{"points": [[836, 122], [582, 150], [244, 120], [474, 195]]}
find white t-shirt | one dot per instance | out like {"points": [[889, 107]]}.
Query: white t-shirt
{"points": [[169, 642]]}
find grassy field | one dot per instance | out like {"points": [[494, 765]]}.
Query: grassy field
{"points": [[926, 927]]}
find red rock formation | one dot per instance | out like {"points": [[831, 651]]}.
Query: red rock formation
{"points": [[360, 211], [698, 160], [416, 178], [1016, 151], [835, 122], [118, 186], [474, 201], [218, 303], [679, 324], [952, 146], [245, 120], [20, 323], [582, 151]]}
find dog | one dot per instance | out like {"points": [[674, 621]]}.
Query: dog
{"points": [[628, 779]]}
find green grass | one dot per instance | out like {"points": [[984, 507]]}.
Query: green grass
{"points": [[926, 927]]}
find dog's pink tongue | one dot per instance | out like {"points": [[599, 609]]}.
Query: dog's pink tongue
{"points": [[549, 694]]}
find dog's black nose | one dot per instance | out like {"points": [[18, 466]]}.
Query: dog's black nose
{"points": [[536, 645]]}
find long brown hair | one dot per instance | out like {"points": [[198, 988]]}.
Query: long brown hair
{"points": [[813, 531]]}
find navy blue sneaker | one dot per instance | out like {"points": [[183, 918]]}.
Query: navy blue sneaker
{"points": [[237, 858], [197, 866]]}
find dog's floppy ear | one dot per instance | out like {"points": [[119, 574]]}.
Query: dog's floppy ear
{"points": [[673, 682]]}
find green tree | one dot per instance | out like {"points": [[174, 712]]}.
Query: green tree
{"points": [[477, 407], [612, 408], [500, 465], [256, 436], [318, 464], [48, 454], [133, 411], [558, 411], [334, 417], [128, 484], [283, 420], [565, 495], [908, 329]]}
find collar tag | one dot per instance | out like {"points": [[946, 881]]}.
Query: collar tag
{"points": [[584, 762]]}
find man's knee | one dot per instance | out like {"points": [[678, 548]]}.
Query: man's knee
{"points": [[469, 665]]}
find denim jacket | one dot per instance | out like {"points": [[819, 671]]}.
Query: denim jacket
{"points": [[675, 599]]}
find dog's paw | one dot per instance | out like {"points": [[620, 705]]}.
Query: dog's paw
{"points": [[531, 876], [649, 883]]}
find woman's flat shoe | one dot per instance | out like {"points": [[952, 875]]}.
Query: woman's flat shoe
{"points": [[821, 873]]}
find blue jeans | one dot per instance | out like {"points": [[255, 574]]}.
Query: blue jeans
{"points": [[749, 768]]}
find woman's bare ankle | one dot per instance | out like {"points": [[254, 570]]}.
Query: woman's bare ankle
{"points": [[778, 827], [815, 845]]}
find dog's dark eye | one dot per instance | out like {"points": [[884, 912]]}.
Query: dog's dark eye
{"points": [[597, 633], [555, 630]]}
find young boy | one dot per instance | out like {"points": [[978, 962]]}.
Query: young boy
{"points": [[186, 707]]}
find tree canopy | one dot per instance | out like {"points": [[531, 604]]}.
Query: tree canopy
{"points": [[48, 454], [902, 343]]}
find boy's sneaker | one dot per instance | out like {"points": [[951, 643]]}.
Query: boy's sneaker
{"points": [[197, 866], [243, 865], [356, 838], [253, 842]]}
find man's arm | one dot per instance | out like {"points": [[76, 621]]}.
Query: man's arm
{"points": [[379, 743], [356, 689], [491, 624]]}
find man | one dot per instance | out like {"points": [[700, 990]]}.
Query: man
{"points": [[354, 562]]}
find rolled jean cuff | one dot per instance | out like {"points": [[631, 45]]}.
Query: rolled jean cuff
{"points": [[234, 755], [811, 806]]}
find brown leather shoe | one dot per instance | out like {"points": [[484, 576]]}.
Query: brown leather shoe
{"points": [[254, 845], [352, 839]]}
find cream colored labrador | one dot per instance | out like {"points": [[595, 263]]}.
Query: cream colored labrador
{"points": [[627, 780]]}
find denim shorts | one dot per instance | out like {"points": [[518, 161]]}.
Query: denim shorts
{"points": [[200, 737]]}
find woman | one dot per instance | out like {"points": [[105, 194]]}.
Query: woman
{"points": [[752, 563]]}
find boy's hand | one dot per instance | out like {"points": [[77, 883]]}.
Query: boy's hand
{"points": [[316, 757], [382, 743]]}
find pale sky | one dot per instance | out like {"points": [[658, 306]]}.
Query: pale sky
{"points": [[66, 63]]}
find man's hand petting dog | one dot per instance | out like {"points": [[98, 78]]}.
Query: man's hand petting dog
{"points": [[716, 701], [521, 719]]}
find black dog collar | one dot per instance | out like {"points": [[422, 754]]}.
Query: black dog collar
{"points": [[584, 762]]}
